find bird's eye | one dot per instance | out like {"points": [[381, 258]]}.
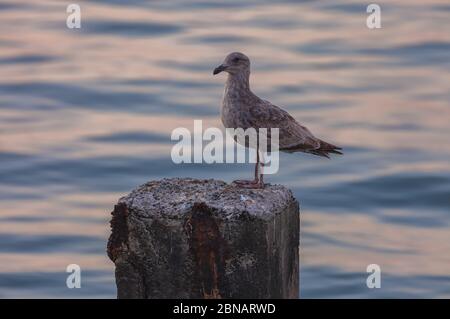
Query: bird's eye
{"points": [[235, 60]]}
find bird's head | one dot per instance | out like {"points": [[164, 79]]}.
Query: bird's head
{"points": [[234, 63]]}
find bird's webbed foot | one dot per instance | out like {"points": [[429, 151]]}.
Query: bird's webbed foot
{"points": [[253, 184]]}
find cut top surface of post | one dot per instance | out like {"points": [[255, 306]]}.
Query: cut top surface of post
{"points": [[168, 197]]}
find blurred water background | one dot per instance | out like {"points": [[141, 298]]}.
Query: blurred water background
{"points": [[86, 116]]}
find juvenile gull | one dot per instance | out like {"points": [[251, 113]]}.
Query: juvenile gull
{"points": [[243, 109]]}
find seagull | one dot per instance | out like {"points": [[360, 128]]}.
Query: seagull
{"points": [[243, 109]]}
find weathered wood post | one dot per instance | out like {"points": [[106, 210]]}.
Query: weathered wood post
{"points": [[188, 238]]}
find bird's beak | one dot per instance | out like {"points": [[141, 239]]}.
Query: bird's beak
{"points": [[219, 69]]}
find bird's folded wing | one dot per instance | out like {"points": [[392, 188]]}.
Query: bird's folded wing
{"points": [[291, 133]]}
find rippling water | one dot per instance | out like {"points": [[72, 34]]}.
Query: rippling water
{"points": [[86, 115]]}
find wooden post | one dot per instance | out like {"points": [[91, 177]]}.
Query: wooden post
{"points": [[189, 238]]}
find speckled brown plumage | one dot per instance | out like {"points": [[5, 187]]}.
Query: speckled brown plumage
{"points": [[243, 109]]}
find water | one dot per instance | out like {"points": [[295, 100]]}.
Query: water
{"points": [[86, 115]]}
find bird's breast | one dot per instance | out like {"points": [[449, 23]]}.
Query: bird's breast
{"points": [[226, 114], [234, 106], [231, 113]]}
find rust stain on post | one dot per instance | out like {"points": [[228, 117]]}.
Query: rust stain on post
{"points": [[118, 241], [208, 248]]}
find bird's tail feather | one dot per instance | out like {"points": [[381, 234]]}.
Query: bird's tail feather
{"points": [[325, 149]]}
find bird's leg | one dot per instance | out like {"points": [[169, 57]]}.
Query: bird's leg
{"points": [[256, 166], [256, 183], [261, 175]]}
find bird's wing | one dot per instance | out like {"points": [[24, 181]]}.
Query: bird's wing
{"points": [[292, 135]]}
